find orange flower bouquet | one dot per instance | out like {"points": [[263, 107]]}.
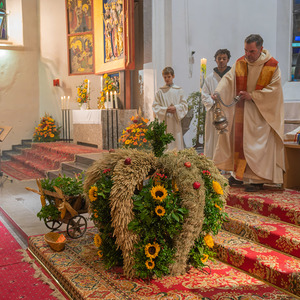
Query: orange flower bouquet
{"points": [[46, 131], [134, 135]]}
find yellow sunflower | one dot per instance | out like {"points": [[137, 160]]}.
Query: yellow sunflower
{"points": [[100, 253], [209, 240], [158, 192], [97, 240], [93, 193], [150, 264], [152, 250], [204, 258], [217, 188], [160, 211]]}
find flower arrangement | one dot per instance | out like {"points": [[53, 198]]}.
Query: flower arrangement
{"points": [[46, 131], [133, 136], [83, 92], [155, 214], [109, 86]]}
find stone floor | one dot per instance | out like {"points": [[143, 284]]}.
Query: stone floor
{"points": [[19, 208]]}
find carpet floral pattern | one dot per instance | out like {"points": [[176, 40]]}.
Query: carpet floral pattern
{"points": [[265, 263], [80, 270], [280, 205], [267, 231]]}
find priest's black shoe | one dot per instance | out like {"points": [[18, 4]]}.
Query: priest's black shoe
{"points": [[234, 182], [254, 187]]}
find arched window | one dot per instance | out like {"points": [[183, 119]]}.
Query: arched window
{"points": [[3, 21]]}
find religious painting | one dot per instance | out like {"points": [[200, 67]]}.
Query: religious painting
{"points": [[114, 35], [79, 13], [81, 60], [113, 23]]}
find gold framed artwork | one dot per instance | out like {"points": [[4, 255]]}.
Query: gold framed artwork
{"points": [[80, 29], [113, 35]]}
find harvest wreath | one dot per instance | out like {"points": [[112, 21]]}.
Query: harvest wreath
{"points": [[155, 215]]}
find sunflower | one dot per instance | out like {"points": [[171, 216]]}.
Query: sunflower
{"points": [[158, 192], [97, 240], [217, 188], [204, 258], [209, 240], [152, 250], [93, 193], [150, 264], [160, 211], [100, 253]]}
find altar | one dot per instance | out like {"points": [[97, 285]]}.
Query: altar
{"points": [[100, 128]]}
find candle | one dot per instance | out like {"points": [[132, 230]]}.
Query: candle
{"points": [[64, 105], [62, 102], [107, 104], [111, 96], [88, 89], [116, 99], [203, 61], [101, 83], [68, 103]]}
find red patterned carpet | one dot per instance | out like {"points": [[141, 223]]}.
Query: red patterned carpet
{"points": [[18, 278], [42, 157], [81, 273], [262, 236]]}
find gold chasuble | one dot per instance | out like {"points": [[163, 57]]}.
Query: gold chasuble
{"points": [[253, 145], [241, 72]]}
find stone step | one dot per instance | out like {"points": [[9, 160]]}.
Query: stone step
{"points": [[263, 263], [264, 230], [81, 164], [279, 205]]}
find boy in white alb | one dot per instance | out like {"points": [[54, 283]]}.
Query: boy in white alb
{"points": [[170, 106]]}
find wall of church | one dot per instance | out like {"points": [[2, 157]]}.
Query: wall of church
{"points": [[19, 81], [206, 26]]}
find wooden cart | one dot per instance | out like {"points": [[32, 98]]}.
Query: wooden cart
{"points": [[70, 207]]}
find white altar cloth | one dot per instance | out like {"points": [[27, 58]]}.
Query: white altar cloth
{"points": [[89, 116]]}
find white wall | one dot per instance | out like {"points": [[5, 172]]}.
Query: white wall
{"points": [[206, 26], [19, 82]]}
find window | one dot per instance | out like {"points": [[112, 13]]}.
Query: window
{"points": [[3, 21]]}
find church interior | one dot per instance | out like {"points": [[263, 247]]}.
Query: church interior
{"points": [[88, 71]]}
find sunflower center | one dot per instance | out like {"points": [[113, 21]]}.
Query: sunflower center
{"points": [[150, 263], [152, 250], [159, 211], [159, 193]]}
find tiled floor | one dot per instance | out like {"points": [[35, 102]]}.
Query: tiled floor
{"points": [[18, 209]]}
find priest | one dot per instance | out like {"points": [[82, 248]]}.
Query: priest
{"points": [[253, 145]]}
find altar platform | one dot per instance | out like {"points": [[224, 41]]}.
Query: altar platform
{"points": [[100, 128]]}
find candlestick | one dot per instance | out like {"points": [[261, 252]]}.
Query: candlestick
{"points": [[116, 99]]}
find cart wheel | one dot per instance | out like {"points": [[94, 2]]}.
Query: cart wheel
{"points": [[52, 224], [76, 227]]}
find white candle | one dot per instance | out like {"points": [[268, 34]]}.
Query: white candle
{"points": [[111, 97], [88, 89], [203, 61], [101, 83], [107, 102], [68, 103], [116, 99], [62, 102]]}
